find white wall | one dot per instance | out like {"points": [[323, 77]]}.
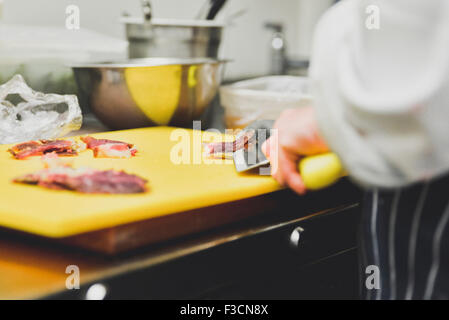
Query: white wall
{"points": [[246, 41], [307, 17]]}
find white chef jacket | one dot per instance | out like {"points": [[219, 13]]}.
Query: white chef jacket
{"points": [[382, 95]]}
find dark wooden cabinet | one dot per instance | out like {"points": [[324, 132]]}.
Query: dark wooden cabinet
{"points": [[268, 263]]}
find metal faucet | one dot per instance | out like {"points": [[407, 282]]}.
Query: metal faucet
{"points": [[280, 63], [146, 9]]}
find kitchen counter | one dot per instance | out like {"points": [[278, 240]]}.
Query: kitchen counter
{"points": [[304, 247], [253, 250]]}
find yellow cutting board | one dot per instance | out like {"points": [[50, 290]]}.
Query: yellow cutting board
{"points": [[173, 187]]}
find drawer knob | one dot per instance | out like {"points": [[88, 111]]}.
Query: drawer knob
{"points": [[295, 237], [96, 291]]}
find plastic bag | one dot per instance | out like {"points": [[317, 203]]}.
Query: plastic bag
{"points": [[29, 115]]}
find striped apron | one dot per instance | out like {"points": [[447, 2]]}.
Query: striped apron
{"points": [[404, 241]]}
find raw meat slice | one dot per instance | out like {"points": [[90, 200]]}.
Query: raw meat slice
{"points": [[35, 148], [241, 142], [85, 180], [93, 142], [104, 148]]}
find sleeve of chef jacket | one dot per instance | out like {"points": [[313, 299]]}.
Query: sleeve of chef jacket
{"points": [[382, 95]]}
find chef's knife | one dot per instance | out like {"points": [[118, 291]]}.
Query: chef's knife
{"points": [[317, 171]]}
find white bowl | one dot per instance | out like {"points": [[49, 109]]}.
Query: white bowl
{"points": [[263, 98]]}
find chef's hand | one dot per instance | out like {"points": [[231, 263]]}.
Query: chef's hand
{"points": [[298, 136]]}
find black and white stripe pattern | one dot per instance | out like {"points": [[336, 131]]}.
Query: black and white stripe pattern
{"points": [[391, 243], [405, 233]]}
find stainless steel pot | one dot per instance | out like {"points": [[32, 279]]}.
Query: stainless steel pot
{"points": [[173, 38]]}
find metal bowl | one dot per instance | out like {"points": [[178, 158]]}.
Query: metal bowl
{"points": [[148, 92]]}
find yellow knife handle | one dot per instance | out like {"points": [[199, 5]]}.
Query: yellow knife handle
{"points": [[320, 171]]}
